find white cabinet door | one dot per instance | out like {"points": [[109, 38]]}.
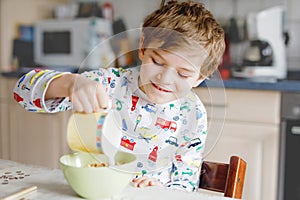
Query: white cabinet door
{"points": [[37, 138], [248, 121], [34, 138], [258, 145], [4, 131]]}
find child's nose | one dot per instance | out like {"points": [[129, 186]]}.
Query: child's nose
{"points": [[167, 75]]}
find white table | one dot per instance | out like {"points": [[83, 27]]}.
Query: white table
{"points": [[51, 184]]}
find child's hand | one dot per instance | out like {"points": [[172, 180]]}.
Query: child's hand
{"points": [[145, 182], [88, 96]]}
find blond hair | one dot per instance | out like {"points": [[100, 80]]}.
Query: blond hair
{"points": [[191, 24]]}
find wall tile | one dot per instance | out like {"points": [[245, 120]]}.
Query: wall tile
{"points": [[292, 20], [222, 9], [271, 3], [293, 9], [293, 49], [245, 6], [293, 64]]}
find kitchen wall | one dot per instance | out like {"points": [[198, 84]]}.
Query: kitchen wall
{"points": [[294, 28], [228, 8], [14, 12], [133, 12], [223, 9]]}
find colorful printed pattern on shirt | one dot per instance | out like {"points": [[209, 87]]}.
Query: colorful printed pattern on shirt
{"points": [[30, 88], [168, 139]]}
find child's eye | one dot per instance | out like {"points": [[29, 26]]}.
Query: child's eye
{"points": [[183, 75], [156, 62]]}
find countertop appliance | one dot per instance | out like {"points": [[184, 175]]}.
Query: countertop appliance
{"points": [[265, 57], [289, 162], [73, 42]]}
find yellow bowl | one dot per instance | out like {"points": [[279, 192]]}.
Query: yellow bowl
{"points": [[97, 182]]}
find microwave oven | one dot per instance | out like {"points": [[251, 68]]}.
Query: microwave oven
{"points": [[72, 42]]}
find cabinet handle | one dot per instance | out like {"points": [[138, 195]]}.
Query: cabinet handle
{"points": [[295, 130]]}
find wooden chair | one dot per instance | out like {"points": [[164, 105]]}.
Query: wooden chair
{"points": [[225, 178]]}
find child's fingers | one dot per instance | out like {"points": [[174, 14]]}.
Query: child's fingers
{"points": [[102, 97], [136, 181], [154, 183], [77, 106], [145, 181], [81, 103], [87, 107]]}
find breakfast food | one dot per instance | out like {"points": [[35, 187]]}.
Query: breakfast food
{"points": [[101, 164]]}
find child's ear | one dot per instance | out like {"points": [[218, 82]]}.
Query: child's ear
{"points": [[200, 80], [141, 49]]}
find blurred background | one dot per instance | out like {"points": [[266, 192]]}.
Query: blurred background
{"points": [[255, 108], [233, 14]]}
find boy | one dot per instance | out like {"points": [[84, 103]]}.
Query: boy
{"points": [[162, 119]]}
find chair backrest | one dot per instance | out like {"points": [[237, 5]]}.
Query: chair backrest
{"points": [[225, 178]]}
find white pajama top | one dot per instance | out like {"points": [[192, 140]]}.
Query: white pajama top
{"points": [[168, 139]]}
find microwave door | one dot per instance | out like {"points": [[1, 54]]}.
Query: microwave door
{"points": [[58, 42]]}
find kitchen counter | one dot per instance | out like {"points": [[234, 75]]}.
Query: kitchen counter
{"points": [[282, 85], [52, 185]]}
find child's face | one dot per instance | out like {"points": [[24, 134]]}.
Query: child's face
{"points": [[166, 76]]}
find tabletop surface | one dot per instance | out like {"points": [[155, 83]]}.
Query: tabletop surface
{"points": [[52, 185]]}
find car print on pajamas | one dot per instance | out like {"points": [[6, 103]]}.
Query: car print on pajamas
{"points": [[172, 140], [166, 125], [145, 133], [185, 106], [178, 185], [150, 108], [194, 142], [127, 143], [198, 113], [181, 118], [188, 172]]}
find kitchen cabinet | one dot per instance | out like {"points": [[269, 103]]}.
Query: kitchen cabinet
{"points": [[4, 128], [32, 138], [248, 122]]}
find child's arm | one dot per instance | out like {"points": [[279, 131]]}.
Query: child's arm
{"points": [[29, 92], [60, 87], [85, 94], [52, 91]]}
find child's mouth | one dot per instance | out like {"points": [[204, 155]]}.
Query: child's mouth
{"points": [[160, 89]]}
